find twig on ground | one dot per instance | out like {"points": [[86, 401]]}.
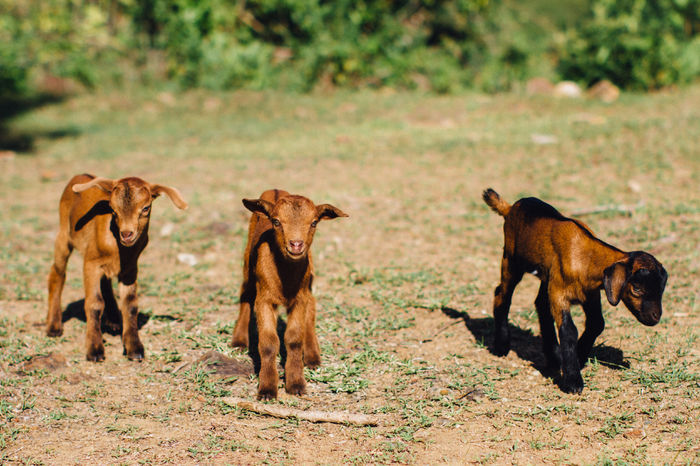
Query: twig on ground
{"points": [[441, 330], [311, 416], [621, 208]]}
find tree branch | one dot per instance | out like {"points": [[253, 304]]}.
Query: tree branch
{"points": [[311, 416]]}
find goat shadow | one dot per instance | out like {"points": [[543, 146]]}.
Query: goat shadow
{"points": [[23, 141], [528, 346], [111, 317], [253, 340]]}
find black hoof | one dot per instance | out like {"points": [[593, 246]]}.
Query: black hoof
{"points": [[572, 385], [501, 348]]}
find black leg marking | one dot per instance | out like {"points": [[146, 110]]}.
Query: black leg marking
{"points": [[550, 345], [572, 382], [501, 306]]}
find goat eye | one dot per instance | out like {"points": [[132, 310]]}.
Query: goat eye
{"points": [[636, 290], [146, 209], [275, 222], [314, 223]]}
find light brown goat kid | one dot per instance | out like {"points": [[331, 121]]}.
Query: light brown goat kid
{"points": [[573, 266], [278, 270], [107, 221]]}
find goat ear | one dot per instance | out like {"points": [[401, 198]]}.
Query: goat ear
{"points": [[103, 183], [614, 279], [258, 205], [328, 211], [172, 193]]}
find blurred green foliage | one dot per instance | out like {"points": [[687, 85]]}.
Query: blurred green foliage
{"points": [[63, 37], [438, 45], [638, 44], [297, 43]]}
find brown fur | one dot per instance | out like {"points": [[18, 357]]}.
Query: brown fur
{"points": [[278, 271], [573, 266], [107, 221]]}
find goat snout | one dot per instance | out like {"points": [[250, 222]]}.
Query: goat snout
{"points": [[296, 246], [651, 314], [127, 236]]}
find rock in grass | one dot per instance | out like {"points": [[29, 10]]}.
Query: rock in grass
{"points": [[187, 259], [50, 362], [605, 91], [220, 364], [567, 89]]}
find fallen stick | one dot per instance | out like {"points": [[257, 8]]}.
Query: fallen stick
{"points": [[441, 330], [311, 416], [623, 209]]}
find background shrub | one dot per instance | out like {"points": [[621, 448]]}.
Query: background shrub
{"points": [[438, 45], [637, 44]]}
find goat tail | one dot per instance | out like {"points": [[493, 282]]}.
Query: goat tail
{"points": [[493, 200]]}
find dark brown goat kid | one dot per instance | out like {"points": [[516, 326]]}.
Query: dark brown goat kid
{"points": [[107, 221], [278, 270], [573, 266]]}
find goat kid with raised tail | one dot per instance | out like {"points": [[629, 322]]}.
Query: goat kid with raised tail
{"points": [[107, 221], [278, 270], [573, 266]]}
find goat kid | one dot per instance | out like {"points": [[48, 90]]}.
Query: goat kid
{"points": [[573, 266], [278, 270], [107, 221]]}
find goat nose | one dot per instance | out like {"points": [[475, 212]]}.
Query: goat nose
{"points": [[126, 235], [296, 245]]}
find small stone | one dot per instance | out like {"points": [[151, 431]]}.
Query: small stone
{"points": [[634, 186], [568, 89], [543, 139], [187, 259], [635, 433], [605, 91], [421, 435], [167, 229]]}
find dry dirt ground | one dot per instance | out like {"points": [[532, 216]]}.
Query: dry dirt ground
{"points": [[404, 286]]}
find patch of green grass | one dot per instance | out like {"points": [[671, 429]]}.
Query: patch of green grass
{"points": [[673, 374], [126, 430], [615, 425], [202, 379]]}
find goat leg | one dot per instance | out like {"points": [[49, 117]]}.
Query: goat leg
{"points": [[312, 350], [294, 381], [572, 382], [595, 324], [550, 346], [94, 306], [240, 337], [501, 305], [128, 304], [57, 278], [268, 347]]}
